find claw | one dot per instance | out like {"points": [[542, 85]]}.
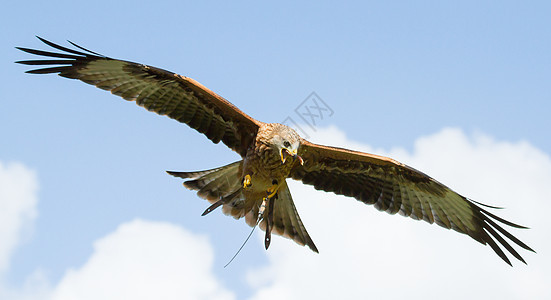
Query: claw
{"points": [[272, 191], [247, 181]]}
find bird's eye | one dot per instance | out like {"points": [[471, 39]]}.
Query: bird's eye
{"points": [[286, 144]]}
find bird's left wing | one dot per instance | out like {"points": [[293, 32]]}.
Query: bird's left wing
{"points": [[396, 188], [165, 93]]}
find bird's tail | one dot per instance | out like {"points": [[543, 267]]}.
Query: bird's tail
{"points": [[220, 186], [286, 221]]}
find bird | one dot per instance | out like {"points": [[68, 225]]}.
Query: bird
{"points": [[255, 187]]}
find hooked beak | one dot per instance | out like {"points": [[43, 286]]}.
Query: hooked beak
{"points": [[286, 153]]}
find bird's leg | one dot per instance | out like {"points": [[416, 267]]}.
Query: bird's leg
{"points": [[272, 190], [247, 181]]}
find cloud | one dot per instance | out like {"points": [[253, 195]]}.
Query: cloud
{"points": [[18, 187], [139, 260], [368, 254], [363, 253], [145, 260], [18, 201]]}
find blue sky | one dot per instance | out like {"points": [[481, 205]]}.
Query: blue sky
{"points": [[398, 76]]}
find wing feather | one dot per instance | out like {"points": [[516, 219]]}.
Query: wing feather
{"points": [[165, 93], [394, 187]]}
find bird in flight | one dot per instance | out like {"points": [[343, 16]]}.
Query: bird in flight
{"points": [[255, 187]]}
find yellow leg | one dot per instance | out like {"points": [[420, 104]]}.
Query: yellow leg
{"points": [[247, 181], [272, 191]]}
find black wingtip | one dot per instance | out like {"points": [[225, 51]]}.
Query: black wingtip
{"points": [[314, 248], [42, 39], [491, 230], [486, 205], [173, 173], [87, 50], [178, 174]]}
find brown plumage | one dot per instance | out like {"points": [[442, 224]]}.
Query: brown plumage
{"points": [[255, 187]]}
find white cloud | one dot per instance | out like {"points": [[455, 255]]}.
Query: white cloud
{"points": [[18, 187], [368, 254], [18, 200], [363, 253], [139, 260], [145, 260]]}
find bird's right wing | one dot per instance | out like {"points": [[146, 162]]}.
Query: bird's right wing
{"points": [[165, 93]]}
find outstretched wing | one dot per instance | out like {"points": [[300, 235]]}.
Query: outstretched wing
{"points": [[396, 188], [165, 93]]}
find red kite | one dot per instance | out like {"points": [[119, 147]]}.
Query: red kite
{"points": [[255, 187]]}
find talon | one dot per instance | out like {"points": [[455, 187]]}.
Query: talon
{"points": [[247, 181], [272, 191]]}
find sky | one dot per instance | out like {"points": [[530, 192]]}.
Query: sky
{"points": [[457, 90]]}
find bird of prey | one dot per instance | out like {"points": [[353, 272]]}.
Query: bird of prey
{"points": [[255, 187]]}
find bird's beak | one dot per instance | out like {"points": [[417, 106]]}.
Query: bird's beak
{"points": [[286, 153]]}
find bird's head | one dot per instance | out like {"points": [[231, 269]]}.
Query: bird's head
{"points": [[286, 142]]}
